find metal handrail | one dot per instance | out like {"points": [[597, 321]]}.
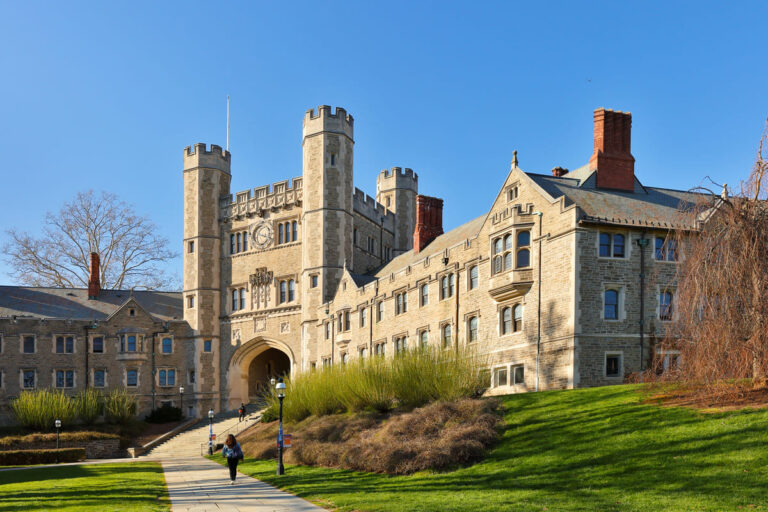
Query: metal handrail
{"points": [[239, 426]]}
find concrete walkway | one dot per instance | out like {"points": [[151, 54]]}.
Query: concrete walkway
{"points": [[200, 485]]}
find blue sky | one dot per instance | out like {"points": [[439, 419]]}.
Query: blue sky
{"points": [[106, 95]]}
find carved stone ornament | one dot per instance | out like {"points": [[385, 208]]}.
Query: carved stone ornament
{"points": [[261, 235]]}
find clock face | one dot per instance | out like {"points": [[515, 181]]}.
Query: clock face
{"points": [[261, 235]]}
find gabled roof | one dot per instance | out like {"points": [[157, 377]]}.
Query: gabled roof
{"points": [[73, 303], [645, 207]]}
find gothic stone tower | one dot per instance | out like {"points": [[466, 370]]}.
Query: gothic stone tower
{"points": [[206, 179], [327, 222], [397, 189]]}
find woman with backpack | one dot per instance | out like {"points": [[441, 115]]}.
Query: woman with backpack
{"points": [[234, 454]]}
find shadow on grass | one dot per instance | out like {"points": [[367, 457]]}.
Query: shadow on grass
{"points": [[129, 486]]}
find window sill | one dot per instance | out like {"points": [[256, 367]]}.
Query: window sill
{"points": [[131, 356]]}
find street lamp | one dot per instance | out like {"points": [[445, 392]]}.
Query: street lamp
{"points": [[57, 423], [181, 400], [210, 432], [280, 388]]}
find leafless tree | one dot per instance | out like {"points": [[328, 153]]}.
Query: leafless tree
{"points": [[128, 245], [721, 303]]}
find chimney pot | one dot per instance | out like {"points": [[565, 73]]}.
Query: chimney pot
{"points": [[94, 285], [559, 172], [429, 221]]}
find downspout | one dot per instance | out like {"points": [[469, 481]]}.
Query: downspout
{"points": [[642, 242], [333, 338], [458, 287], [85, 381], [538, 317]]}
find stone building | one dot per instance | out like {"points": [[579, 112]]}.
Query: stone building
{"points": [[565, 282]]}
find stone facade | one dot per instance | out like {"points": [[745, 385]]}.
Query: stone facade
{"points": [[312, 271]]}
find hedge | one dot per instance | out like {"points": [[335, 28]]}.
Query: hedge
{"points": [[21, 457], [66, 437]]}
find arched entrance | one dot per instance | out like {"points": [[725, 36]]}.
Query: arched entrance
{"points": [[270, 363], [251, 367]]}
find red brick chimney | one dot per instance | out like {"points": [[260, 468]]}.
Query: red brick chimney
{"points": [[559, 172], [94, 284], [429, 221], [612, 158]]}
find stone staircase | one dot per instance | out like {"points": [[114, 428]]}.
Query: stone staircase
{"points": [[193, 442]]}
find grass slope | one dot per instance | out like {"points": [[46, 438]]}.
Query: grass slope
{"points": [[126, 487], [582, 450]]}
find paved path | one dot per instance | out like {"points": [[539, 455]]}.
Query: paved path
{"points": [[201, 485]]}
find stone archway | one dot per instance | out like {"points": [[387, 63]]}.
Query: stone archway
{"points": [[272, 363], [253, 364]]}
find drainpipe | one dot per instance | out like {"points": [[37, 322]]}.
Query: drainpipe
{"points": [[458, 287], [642, 242], [85, 380], [370, 328], [538, 317], [166, 327]]}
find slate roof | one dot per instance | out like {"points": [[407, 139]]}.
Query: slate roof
{"points": [[647, 206], [362, 279], [437, 246], [73, 303]]}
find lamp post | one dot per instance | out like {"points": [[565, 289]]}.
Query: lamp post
{"points": [[210, 432], [57, 423], [181, 400], [280, 388]]}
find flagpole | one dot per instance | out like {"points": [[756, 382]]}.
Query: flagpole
{"points": [[227, 122]]}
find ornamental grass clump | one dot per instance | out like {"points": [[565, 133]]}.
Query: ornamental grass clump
{"points": [[40, 408], [120, 406], [89, 404], [412, 378]]}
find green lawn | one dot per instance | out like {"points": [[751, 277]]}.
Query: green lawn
{"points": [[591, 450], [131, 487]]}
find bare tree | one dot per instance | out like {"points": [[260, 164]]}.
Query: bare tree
{"points": [[721, 327], [128, 245]]}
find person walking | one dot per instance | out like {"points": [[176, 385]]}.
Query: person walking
{"points": [[234, 454], [241, 410]]}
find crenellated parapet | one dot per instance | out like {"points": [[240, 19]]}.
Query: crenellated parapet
{"points": [[324, 120], [255, 202], [199, 156], [371, 209], [397, 178]]}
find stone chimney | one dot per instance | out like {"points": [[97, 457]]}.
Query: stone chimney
{"points": [[559, 172], [94, 285], [612, 158], [429, 221]]}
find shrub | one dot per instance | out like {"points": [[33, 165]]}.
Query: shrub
{"points": [[439, 436], [20, 457], [39, 409], [408, 380], [17, 442], [89, 404], [164, 414], [120, 406]]}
